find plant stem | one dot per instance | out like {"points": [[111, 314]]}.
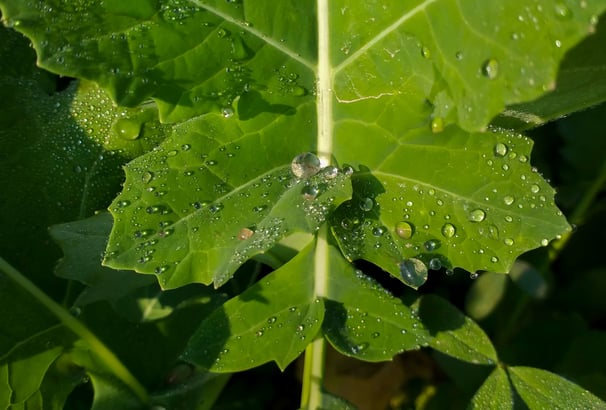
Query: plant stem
{"points": [[96, 346], [313, 374]]}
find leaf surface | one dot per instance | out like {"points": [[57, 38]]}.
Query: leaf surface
{"points": [[455, 334], [495, 392], [541, 389]]}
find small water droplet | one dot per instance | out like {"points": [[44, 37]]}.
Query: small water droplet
{"points": [[425, 52], [374, 335], [378, 231], [490, 69], [437, 125], [431, 245], [477, 215], [227, 112], [300, 328], [473, 276], [500, 149], [305, 165], [260, 332], [544, 242], [508, 200], [413, 272], [310, 192], [562, 11], [448, 230], [508, 241], [404, 230], [459, 55], [272, 320], [435, 264], [147, 177], [366, 204], [494, 259], [535, 188]]}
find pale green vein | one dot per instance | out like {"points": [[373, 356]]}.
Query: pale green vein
{"points": [[384, 33], [252, 30]]}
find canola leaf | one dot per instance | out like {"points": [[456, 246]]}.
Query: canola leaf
{"points": [[495, 393], [449, 200], [365, 321], [540, 389], [60, 159], [195, 56], [197, 207], [453, 333], [274, 319], [580, 84], [485, 294]]}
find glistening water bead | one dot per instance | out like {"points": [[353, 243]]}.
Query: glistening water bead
{"points": [[413, 272], [305, 165]]}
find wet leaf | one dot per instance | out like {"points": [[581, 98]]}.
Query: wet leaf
{"points": [[541, 389], [453, 333], [495, 392]]}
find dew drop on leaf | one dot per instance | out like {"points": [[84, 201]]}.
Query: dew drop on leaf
{"points": [[500, 149], [448, 230], [534, 188], [490, 69], [562, 11], [413, 272], [477, 215], [127, 128], [435, 264], [366, 204], [437, 125], [404, 230], [431, 245], [227, 112], [147, 177], [425, 52], [305, 165], [508, 241], [310, 192], [508, 200]]}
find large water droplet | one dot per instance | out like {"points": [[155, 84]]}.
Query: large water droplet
{"points": [[404, 230], [413, 272], [448, 230], [435, 264], [490, 68], [477, 215], [127, 128], [500, 149], [305, 165]]}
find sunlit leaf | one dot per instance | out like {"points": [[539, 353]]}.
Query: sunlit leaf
{"points": [[495, 393]]}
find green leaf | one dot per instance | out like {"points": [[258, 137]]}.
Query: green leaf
{"points": [[272, 320], [40, 346], [453, 333], [83, 243], [206, 53], [481, 214], [363, 320], [60, 153], [495, 393], [186, 219], [485, 294], [580, 84], [541, 389]]}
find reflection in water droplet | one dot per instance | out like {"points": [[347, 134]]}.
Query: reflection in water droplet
{"points": [[227, 112], [448, 230], [500, 149], [413, 272], [473, 275], [490, 69], [477, 215], [310, 192], [378, 231], [404, 230], [305, 165]]}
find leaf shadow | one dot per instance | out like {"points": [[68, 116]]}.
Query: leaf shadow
{"points": [[251, 104], [438, 315]]}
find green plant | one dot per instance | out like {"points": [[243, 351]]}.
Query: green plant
{"points": [[315, 161]]}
